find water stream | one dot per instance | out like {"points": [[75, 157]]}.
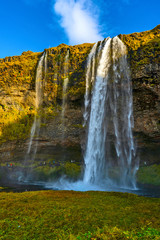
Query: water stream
{"points": [[32, 148], [64, 93]]}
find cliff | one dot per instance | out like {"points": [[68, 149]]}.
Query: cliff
{"points": [[17, 93], [17, 86], [144, 58]]}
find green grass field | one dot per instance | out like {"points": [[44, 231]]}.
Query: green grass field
{"points": [[78, 215]]}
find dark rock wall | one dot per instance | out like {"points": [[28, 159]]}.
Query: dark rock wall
{"points": [[144, 58]]}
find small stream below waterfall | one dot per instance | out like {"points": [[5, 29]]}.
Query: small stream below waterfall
{"points": [[142, 190]]}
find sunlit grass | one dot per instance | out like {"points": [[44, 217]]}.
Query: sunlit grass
{"points": [[77, 215]]}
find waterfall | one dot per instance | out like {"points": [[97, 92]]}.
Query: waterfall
{"points": [[65, 87], [110, 149], [89, 76], [38, 102], [94, 156], [45, 66]]}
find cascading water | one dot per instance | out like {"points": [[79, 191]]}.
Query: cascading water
{"points": [[45, 66], [65, 87], [94, 156], [110, 151], [38, 102], [90, 76]]}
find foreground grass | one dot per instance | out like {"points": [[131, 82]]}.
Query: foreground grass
{"points": [[76, 215]]}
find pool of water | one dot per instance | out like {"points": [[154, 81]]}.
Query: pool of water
{"points": [[62, 184]]}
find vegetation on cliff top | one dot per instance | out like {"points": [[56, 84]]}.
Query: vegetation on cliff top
{"points": [[143, 50], [75, 70], [19, 70], [17, 83], [136, 40]]}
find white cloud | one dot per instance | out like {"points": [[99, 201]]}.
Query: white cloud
{"points": [[78, 20]]}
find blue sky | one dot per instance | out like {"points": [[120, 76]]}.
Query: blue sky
{"points": [[38, 24]]}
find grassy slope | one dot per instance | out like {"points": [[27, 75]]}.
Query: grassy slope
{"points": [[76, 215]]}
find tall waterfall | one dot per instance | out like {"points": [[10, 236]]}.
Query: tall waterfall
{"points": [[65, 87], [38, 102], [45, 66], [110, 149]]}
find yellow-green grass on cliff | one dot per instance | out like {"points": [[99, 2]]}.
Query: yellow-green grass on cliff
{"points": [[143, 50], [78, 215], [18, 70], [76, 70], [137, 40], [17, 81], [15, 123]]}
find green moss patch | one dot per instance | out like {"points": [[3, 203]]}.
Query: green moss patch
{"points": [[76, 70], [149, 175], [143, 50], [15, 123], [18, 70], [52, 172]]}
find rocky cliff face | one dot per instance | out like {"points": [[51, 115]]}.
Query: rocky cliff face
{"points": [[17, 93], [144, 57]]}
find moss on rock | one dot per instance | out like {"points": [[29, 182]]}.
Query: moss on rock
{"points": [[143, 53], [149, 175]]}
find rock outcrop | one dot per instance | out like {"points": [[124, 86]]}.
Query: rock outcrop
{"points": [[144, 57]]}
